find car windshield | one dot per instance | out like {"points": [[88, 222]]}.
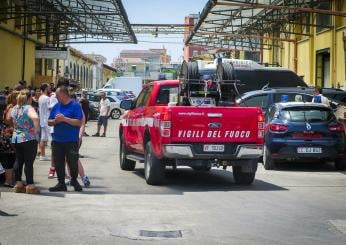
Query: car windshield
{"points": [[306, 114]]}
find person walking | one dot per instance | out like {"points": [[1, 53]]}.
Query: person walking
{"points": [[319, 98], [52, 102], [66, 117], [25, 123], [84, 102], [104, 108], [43, 106]]}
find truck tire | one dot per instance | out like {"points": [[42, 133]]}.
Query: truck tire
{"points": [[154, 169], [192, 70], [115, 114], [244, 178], [225, 71], [340, 164], [268, 161], [125, 164]]}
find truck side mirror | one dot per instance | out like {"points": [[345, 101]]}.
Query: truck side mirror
{"points": [[126, 104]]}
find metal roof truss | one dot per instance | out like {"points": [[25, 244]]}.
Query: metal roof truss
{"points": [[72, 21]]}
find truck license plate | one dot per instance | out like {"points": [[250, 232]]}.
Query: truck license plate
{"points": [[311, 150], [214, 148]]}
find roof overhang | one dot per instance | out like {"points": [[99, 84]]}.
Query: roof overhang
{"points": [[252, 24], [74, 21]]}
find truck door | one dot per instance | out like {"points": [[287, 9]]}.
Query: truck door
{"points": [[138, 119], [142, 119], [133, 122]]}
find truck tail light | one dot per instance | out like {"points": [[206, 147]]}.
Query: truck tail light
{"points": [[337, 128], [165, 125], [260, 126], [277, 128]]}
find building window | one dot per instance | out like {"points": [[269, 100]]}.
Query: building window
{"points": [[38, 66], [18, 17], [29, 25], [3, 14], [323, 19]]}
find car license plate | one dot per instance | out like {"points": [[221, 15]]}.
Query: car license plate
{"points": [[214, 148], [309, 150]]}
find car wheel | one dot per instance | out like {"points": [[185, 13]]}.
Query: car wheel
{"points": [[268, 161], [125, 164], [154, 169], [244, 178], [115, 114], [340, 164]]}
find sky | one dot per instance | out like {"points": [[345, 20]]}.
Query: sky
{"points": [[151, 12]]}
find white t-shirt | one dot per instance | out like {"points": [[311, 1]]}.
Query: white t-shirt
{"points": [[52, 101], [323, 100], [104, 103], [43, 103]]}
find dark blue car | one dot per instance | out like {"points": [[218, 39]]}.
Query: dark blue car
{"points": [[303, 131]]}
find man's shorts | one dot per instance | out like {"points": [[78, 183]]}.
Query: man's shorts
{"points": [[45, 133], [103, 120]]}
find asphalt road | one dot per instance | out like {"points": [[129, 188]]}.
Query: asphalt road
{"points": [[297, 204]]}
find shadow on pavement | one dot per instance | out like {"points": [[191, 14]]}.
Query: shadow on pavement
{"points": [[306, 167], [4, 214], [186, 180]]}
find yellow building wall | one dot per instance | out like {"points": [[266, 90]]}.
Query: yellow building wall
{"points": [[11, 60], [303, 65], [307, 48], [340, 58], [323, 40], [107, 74]]}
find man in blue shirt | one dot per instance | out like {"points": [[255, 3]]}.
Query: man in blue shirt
{"points": [[66, 117]]}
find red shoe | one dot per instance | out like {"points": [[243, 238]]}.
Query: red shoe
{"points": [[51, 173]]}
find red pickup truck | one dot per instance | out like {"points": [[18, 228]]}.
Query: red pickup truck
{"points": [[157, 131]]}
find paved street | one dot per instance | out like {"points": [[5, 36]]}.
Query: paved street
{"points": [[298, 204]]}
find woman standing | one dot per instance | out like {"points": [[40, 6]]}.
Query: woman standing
{"points": [[25, 124], [7, 150]]}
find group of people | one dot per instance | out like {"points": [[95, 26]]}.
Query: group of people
{"points": [[29, 122]]}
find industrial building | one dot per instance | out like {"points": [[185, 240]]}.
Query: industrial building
{"points": [[306, 36], [34, 35]]}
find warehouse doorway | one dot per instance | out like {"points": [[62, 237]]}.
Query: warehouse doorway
{"points": [[323, 68]]}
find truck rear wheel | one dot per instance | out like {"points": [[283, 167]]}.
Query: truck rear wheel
{"points": [[125, 164], [154, 168], [268, 161], [244, 178]]}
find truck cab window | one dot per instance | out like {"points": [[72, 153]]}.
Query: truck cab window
{"points": [[167, 94], [143, 97]]}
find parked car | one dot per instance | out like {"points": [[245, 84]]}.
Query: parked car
{"points": [[266, 97], [303, 131], [115, 112], [117, 94], [130, 94]]}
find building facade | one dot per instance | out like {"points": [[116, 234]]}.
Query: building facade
{"points": [[142, 63], [18, 46], [191, 51], [317, 52]]}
